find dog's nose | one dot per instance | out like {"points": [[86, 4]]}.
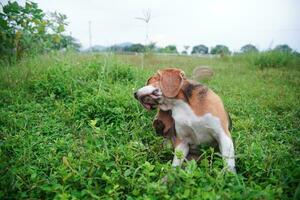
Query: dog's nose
{"points": [[135, 95]]}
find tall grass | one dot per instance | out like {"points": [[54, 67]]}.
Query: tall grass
{"points": [[272, 59], [70, 129]]}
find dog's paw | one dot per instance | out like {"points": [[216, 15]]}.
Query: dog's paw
{"points": [[231, 169]]}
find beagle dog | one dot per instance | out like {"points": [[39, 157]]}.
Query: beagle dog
{"points": [[189, 113]]}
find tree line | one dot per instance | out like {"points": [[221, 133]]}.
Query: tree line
{"points": [[198, 49]]}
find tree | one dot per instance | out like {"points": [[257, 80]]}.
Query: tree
{"points": [[135, 48], [283, 48], [21, 28], [184, 52], [115, 48], [69, 43], [249, 48], [150, 47], [27, 30], [220, 49], [200, 49], [169, 49]]}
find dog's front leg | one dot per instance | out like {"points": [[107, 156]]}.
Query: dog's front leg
{"points": [[227, 151], [181, 151]]}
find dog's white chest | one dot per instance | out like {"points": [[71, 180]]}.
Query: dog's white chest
{"points": [[192, 128]]}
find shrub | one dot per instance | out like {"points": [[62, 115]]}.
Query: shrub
{"points": [[273, 59], [121, 73]]}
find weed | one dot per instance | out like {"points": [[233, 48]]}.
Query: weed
{"points": [[273, 59]]}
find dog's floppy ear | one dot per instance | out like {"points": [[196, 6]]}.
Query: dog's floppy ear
{"points": [[152, 79], [171, 80]]}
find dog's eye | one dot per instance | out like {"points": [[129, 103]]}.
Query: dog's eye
{"points": [[155, 92]]}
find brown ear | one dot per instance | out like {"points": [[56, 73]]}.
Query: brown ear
{"points": [[171, 81], [152, 79]]}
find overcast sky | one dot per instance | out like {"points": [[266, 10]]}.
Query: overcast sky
{"points": [[264, 23]]}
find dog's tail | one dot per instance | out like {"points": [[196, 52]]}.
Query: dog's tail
{"points": [[202, 72]]}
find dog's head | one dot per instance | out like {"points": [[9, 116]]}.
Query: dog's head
{"points": [[165, 84]]}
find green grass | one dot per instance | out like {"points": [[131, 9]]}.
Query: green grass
{"points": [[71, 129]]}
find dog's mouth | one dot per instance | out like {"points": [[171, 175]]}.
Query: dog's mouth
{"points": [[150, 101]]}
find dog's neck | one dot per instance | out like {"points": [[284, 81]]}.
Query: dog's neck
{"points": [[170, 103]]}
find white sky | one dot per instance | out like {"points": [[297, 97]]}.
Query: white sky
{"points": [[264, 23]]}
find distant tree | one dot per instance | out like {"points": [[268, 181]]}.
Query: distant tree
{"points": [[97, 48], [70, 43], [150, 47], [169, 49], [283, 48], [220, 49], [249, 48], [116, 48], [184, 52], [135, 48], [200, 49]]}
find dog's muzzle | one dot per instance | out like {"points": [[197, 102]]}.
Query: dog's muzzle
{"points": [[149, 101]]}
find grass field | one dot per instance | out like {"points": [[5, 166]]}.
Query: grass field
{"points": [[71, 129]]}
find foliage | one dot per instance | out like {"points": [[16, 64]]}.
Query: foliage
{"points": [[150, 47], [275, 58], [249, 48], [283, 48], [168, 49], [138, 48], [135, 48], [71, 129], [200, 49], [27, 30], [220, 49], [115, 48], [184, 52]]}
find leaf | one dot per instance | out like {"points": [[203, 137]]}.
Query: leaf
{"points": [[61, 28], [12, 8], [65, 161], [93, 122]]}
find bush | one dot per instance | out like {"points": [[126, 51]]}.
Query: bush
{"points": [[271, 59], [121, 73]]}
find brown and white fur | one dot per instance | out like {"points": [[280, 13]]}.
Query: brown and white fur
{"points": [[195, 111]]}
